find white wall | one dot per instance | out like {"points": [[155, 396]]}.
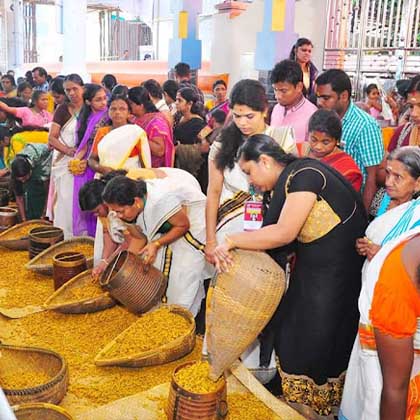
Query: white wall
{"points": [[92, 37], [310, 22], [233, 41], [228, 43]]}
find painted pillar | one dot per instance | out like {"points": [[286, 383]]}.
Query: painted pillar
{"points": [[15, 25], [74, 40], [278, 36], [184, 46]]}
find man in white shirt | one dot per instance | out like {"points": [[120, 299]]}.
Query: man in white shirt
{"points": [[156, 94]]}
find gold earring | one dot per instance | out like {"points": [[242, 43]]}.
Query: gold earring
{"points": [[138, 205]]}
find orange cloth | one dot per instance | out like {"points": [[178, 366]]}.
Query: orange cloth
{"points": [[101, 133], [396, 301], [394, 311], [387, 133]]}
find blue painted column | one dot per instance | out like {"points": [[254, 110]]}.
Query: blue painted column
{"points": [[184, 46], [278, 36]]}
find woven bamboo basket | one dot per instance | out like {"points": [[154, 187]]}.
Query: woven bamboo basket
{"points": [[40, 411], [242, 303], [16, 359], [167, 353], [12, 239], [63, 300], [43, 262], [136, 286]]}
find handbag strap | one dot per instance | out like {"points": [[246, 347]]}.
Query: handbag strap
{"points": [[294, 173]]}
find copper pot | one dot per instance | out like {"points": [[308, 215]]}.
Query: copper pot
{"points": [[67, 265]]}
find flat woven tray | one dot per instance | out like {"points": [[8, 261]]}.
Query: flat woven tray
{"points": [[43, 262], [40, 411], [66, 301], [16, 359], [12, 239], [158, 356]]}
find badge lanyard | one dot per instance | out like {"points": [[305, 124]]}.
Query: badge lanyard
{"points": [[253, 212]]}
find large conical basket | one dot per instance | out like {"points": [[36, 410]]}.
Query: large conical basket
{"points": [[242, 303]]}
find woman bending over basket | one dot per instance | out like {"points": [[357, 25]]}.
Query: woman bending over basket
{"points": [[316, 211], [170, 212], [116, 235]]}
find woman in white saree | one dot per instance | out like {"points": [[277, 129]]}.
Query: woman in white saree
{"points": [[62, 138], [170, 212], [118, 146]]}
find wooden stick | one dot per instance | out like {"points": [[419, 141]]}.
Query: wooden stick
{"points": [[47, 231], [112, 269], [67, 257]]}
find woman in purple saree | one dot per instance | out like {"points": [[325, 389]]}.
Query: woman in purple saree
{"points": [[92, 116]]}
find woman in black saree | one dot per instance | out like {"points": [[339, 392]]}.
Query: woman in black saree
{"points": [[315, 212]]}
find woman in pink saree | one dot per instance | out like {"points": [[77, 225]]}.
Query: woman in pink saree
{"points": [[158, 131]]}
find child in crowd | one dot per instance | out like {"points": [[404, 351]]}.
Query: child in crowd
{"points": [[373, 101]]}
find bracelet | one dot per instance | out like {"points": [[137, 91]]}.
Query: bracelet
{"points": [[211, 242], [105, 261], [157, 244], [229, 242]]}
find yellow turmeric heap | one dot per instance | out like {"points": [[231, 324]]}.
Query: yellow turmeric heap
{"points": [[20, 232], [78, 338], [195, 378], [23, 379], [248, 407], [151, 331], [86, 249], [14, 292], [84, 291]]}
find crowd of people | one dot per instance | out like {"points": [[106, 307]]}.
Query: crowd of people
{"points": [[163, 172]]}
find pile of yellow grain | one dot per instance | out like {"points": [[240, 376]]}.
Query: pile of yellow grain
{"points": [[151, 331], [248, 407], [78, 292], [84, 248], [84, 291], [16, 289], [78, 338], [20, 232], [195, 378], [11, 379]]}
